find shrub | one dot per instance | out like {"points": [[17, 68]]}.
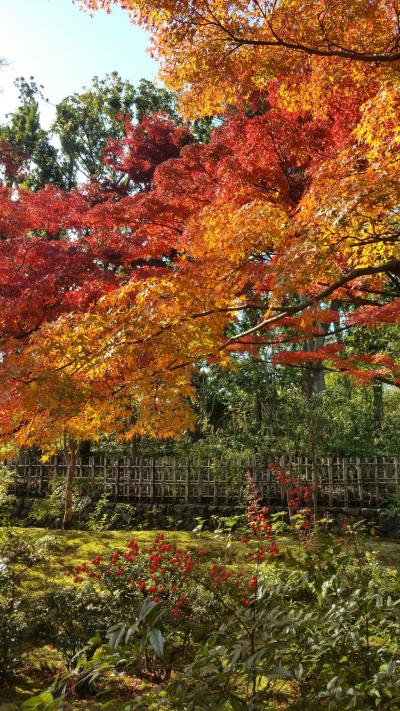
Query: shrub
{"points": [[68, 617], [313, 628], [17, 557]]}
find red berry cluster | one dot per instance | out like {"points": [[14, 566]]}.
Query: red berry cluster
{"points": [[258, 524], [162, 572], [298, 493], [233, 582], [133, 550], [181, 607], [299, 496]]}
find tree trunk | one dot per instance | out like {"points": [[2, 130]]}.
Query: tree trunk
{"points": [[85, 449], [318, 377], [377, 389], [70, 451], [258, 415], [316, 371], [308, 380]]}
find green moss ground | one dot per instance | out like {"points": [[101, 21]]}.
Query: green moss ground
{"points": [[69, 548], [66, 549]]}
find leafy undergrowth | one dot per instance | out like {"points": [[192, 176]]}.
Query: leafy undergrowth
{"points": [[62, 550], [323, 577], [38, 669]]}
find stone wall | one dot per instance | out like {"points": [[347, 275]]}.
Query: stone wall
{"points": [[120, 516]]}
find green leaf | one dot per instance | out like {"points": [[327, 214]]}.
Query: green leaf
{"points": [[280, 673], [131, 631], [154, 613], [37, 702], [157, 641], [115, 635], [146, 608]]}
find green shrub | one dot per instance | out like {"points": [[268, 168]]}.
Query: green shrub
{"points": [[17, 558]]}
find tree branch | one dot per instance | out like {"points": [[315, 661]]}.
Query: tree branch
{"points": [[393, 266]]}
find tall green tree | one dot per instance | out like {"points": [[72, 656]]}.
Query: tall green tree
{"points": [[71, 151], [86, 120], [28, 154]]}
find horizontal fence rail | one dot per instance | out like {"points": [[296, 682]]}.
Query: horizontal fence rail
{"points": [[339, 482]]}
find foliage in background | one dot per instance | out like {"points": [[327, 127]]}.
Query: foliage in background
{"points": [[7, 478], [72, 150]]}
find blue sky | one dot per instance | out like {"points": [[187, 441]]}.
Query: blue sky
{"points": [[63, 48]]}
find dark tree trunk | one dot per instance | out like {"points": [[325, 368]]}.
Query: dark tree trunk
{"points": [[258, 412], [85, 449], [308, 382], [377, 390]]}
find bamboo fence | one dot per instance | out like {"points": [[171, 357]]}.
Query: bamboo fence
{"points": [[339, 482]]}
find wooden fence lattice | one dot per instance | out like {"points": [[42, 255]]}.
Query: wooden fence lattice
{"points": [[340, 482]]}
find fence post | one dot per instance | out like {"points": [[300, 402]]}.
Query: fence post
{"points": [[78, 476], [215, 496], [345, 489], [28, 483], [139, 462], [360, 482], [330, 481], [91, 474], [162, 485], [152, 480], [40, 477], [187, 474], [105, 474], [376, 476], [116, 477]]}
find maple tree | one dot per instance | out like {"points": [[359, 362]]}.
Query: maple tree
{"points": [[340, 64], [61, 252], [219, 53], [202, 222], [227, 194], [144, 146], [221, 188], [112, 296]]}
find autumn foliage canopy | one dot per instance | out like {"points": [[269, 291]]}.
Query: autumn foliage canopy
{"points": [[111, 295]]}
